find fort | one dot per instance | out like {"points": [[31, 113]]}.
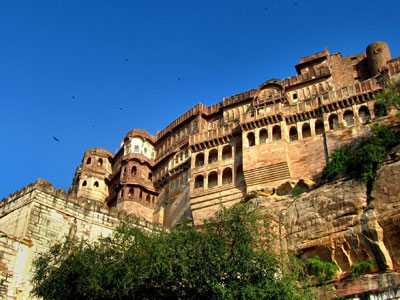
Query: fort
{"points": [[283, 130]]}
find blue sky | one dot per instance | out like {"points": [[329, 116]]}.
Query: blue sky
{"points": [[53, 50]]}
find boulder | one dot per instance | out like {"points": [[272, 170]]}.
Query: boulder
{"points": [[285, 187]]}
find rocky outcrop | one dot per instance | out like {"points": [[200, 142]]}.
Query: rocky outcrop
{"points": [[345, 222]]}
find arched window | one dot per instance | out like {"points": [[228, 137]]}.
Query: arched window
{"points": [[122, 194], [199, 160], [276, 133], [124, 172], [333, 122], [364, 114], [100, 162], [319, 127], [239, 174], [293, 134], [348, 118], [133, 171], [227, 176], [84, 183], [251, 139], [213, 156], [131, 193], [150, 177], [141, 195], [263, 136], [306, 130], [380, 110], [89, 161], [148, 199], [212, 179], [96, 184], [199, 182], [227, 152]]}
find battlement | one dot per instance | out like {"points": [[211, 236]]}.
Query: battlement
{"points": [[64, 201], [98, 151]]}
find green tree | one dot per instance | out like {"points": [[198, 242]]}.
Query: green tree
{"points": [[390, 96], [230, 257]]}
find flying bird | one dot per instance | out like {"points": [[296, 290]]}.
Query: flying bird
{"points": [[73, 97], [56, 139], [126, 59], [179, 78], [295, 3], [120, 108]]}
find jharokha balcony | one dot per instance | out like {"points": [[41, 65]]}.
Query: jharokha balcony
{"points": [[212, 134], [360, 92]]}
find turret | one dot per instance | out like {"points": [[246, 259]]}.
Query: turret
{"points": [[95, 170], [377, 55]]}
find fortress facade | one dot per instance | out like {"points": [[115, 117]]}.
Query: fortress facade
{"points": [[283, 130]]}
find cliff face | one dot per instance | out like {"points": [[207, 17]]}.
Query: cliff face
{"points": [[345, 222]]}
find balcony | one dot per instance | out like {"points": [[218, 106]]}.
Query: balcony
{"points": [[212, 134]]}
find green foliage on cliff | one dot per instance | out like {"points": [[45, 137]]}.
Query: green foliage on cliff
{"points": [[390, 96], [363, 158], [322, 270], [230, 257], [361, 268]]}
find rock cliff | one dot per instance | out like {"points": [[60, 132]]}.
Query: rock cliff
{"points": [[346, 222]]}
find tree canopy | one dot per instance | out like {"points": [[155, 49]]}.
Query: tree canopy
{"points": [[230, 257]]}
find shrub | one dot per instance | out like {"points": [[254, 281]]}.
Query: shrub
{"points": [[297, 191], [337, 164], [361, 268], [362, 158], [323, 270]]}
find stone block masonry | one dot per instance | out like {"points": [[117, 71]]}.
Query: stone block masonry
{"points": [[211, 156], [38, 216]]}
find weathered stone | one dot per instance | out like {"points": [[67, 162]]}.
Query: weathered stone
{"points": [[285, 187], [305, 183]]}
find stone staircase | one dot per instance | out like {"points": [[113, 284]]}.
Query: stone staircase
{"points": [[268, 173]]}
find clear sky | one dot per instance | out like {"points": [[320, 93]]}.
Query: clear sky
{"points": [[52, 51]]}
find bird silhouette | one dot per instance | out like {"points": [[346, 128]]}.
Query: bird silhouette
{"points": [[120, 108], [179, 78], [126, 59], [56, 139], [73, 97]]}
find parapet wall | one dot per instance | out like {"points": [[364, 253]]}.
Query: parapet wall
{"points": [[37, 216], [64, 201]]}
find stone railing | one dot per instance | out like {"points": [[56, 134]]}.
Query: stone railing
{"points": [[199, 108], [173, 148], [215, 133], [302, 78], [368, 86]]}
